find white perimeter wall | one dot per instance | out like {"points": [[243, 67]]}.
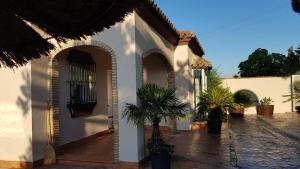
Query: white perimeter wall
{"points": [[273, 87], [15, 114]]}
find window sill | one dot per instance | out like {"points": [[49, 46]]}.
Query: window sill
{"points": [[81, 109]]}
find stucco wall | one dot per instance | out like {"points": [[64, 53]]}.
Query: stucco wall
{"points": [[148, 40], [122, 39], [155, 71], [39, 91], [183, 75], [273, 87], [15, 114]]}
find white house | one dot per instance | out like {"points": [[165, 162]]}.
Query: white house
{"points": [[80, 89]]}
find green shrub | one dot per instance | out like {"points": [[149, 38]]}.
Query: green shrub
{"points": [[242, 98]]}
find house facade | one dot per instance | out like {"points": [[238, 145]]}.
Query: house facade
{"points": [[81, 88]]}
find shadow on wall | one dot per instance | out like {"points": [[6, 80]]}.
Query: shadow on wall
{"points": [[23, 102], [183, 75]]}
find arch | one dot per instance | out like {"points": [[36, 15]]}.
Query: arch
{"points": [[53, 91], [252, 94], [163, 56]]}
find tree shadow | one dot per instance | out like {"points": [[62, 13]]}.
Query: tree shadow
{"points": [[23, 102]]}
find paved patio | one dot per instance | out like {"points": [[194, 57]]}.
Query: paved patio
{"points": [[260, 142], [250, 142]]}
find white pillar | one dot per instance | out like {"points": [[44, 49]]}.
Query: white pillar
{"points": [[131, 137]]}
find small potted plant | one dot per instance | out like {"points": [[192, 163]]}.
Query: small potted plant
{"points": [[156, 103], [241, 100], [237, 110], [265, 108], [216, 100]]}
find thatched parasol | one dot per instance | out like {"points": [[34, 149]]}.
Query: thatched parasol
{"points": [[296, 5], [59, 19]]}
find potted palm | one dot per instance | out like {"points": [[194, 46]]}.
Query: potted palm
{"points": [[156, 104], [241, 100], [215, 100], [265, 108], [295, 96]]}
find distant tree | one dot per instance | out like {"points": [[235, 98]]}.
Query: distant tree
{"points": [[292, 62], [257, 64], [278, 67], [261, 63], [235, 76], [296, 5]]}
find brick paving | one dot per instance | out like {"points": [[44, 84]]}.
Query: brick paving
{"points": [[260, 142], [252, 142], [200, 150]]}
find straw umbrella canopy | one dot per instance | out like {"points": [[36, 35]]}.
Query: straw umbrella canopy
{"points": [[296, 5], [61, 20]]}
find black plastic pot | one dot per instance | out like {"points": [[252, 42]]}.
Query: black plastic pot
{"points": [[214, 122], [161, 160], [298, 109], [214, 127]]}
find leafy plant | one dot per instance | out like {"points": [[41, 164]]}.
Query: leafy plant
{"points": [[242, 98], [266, 101], [296, 95], [213, 79], [237, 106], [156, 103], [215, 98], [188, 117]]}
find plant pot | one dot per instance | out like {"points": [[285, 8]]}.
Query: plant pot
{"points": [[214, 127], [297, 109], [161, 160], [265, 110], [236, 112], [198, 126], [214, 122], [183, 125]]}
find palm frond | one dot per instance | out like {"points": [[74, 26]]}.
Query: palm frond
{"points": [[155, 103]]}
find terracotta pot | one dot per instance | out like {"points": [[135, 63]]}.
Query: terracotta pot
{"points": [[198, 126], [237, 112], [265, 110]]}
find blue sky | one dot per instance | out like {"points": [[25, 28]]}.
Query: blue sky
{"points": [[231, 30]]}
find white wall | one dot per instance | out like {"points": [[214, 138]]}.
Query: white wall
{"points": [[155, 71], [183, 75], [121, 38], [39, 90], [15, 114], [273, 87], [148, 39]]}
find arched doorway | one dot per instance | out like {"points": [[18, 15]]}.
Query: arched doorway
{"points": [[91, 85], [157, 70], [251, 94]]}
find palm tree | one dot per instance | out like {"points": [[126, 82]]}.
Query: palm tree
{"points": [[156, 103]]}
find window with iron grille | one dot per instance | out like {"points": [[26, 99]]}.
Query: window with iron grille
{"points": [[82, 81]]}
